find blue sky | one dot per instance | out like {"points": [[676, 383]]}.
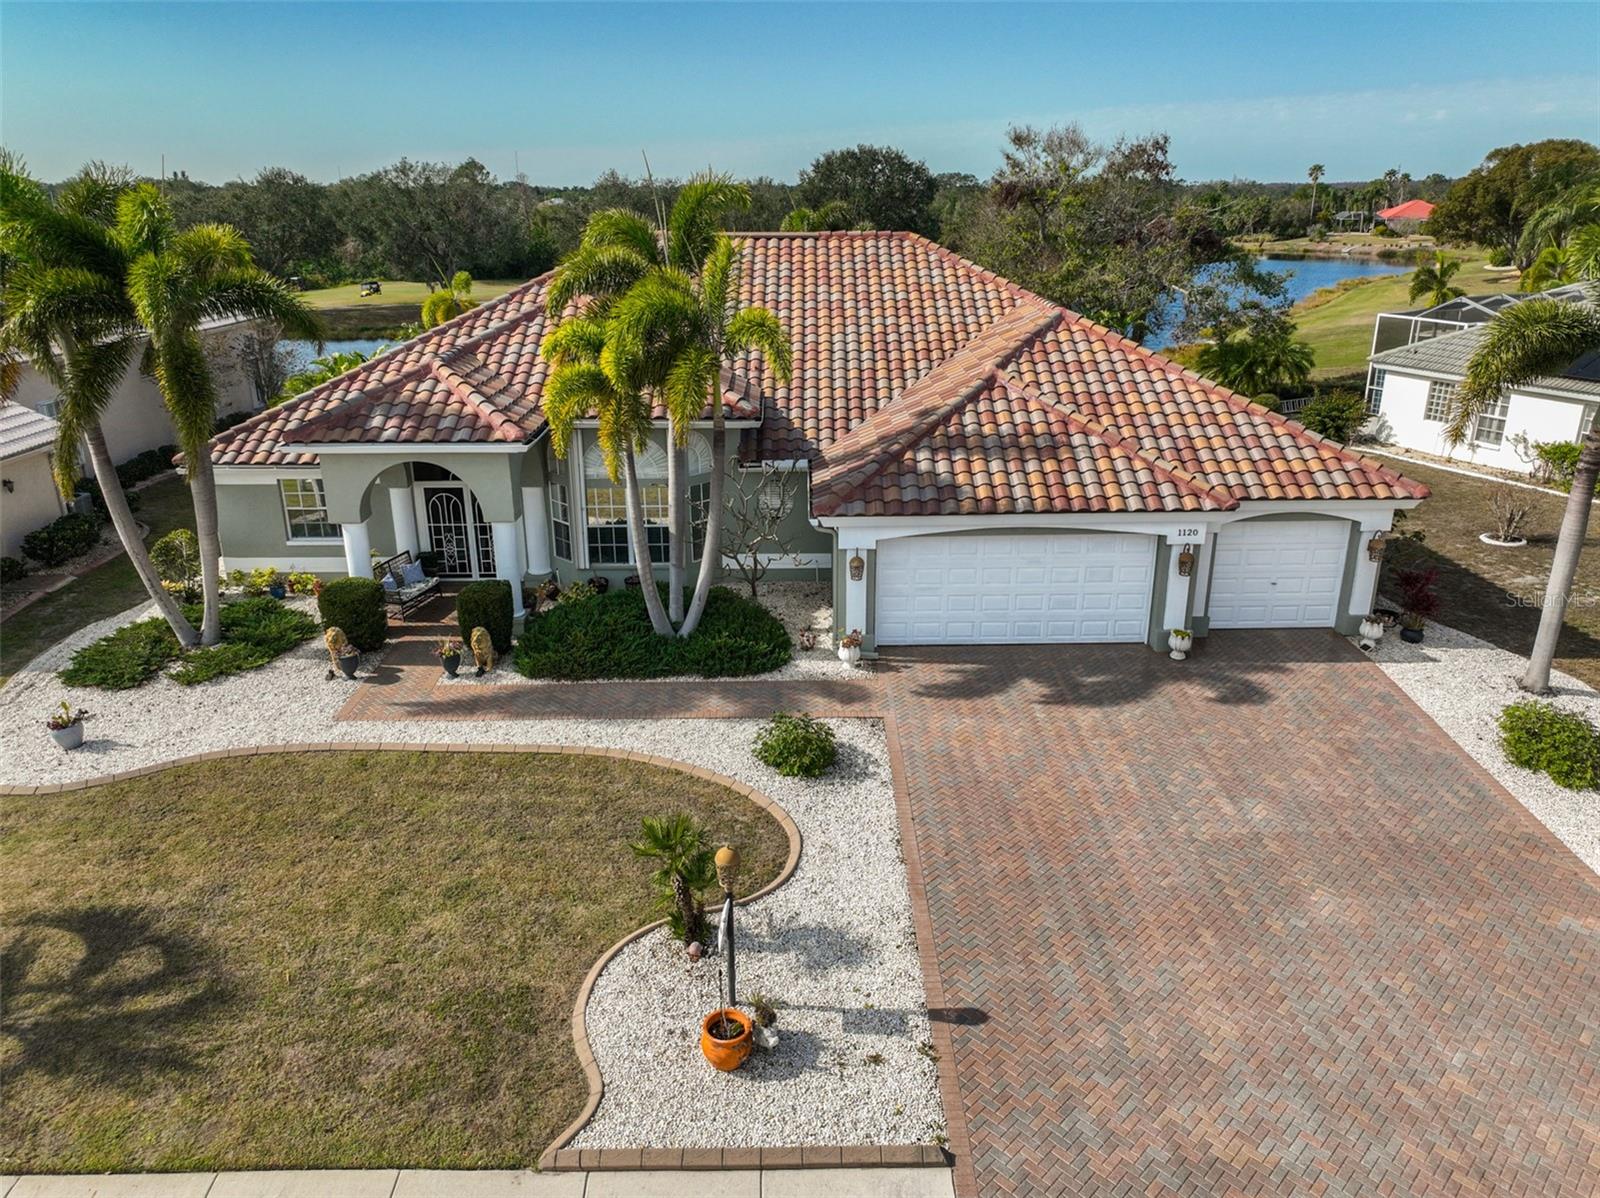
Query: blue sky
{"points": [[1258, 90]]}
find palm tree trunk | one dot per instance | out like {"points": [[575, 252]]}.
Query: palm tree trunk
{"points": [[128, 533], [641, 547], [712, 555], [203, 487], [1569, 544], [677, 555]]}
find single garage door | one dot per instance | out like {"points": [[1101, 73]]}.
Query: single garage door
{"points": [[1278, 574], [1004, 590]]}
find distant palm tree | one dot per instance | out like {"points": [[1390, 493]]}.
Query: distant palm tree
{"points": [[320, 370], [448, 302], [1272, 362], [1525, 341], [835, 214], [1431, 280], [64, 307], [1576, 261], [1315, 175], [178, 280]]}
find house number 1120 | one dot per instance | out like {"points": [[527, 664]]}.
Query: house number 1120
{"points": [[1187, 534]]}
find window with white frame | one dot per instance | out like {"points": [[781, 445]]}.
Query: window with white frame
{"points": [[699, 513], [606, 516], [1375, 391], [1441, 398], [1490, 426], [561, 521], [305, 511]]}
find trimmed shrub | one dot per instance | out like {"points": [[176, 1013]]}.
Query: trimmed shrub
{"points": [[1540, 736], [355, 605], [1556, 462], [487, 605], [797, 746], [176, 558], [146, 465], [62, 540], [1336, 415], [12, 569], [609, 636]]}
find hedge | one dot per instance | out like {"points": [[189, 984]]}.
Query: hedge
{"points": [[355, 605], [609, 636], [62, 539], [486, 604]]}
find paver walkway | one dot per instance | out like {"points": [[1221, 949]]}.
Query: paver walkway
{"points": [[1247, 925]]}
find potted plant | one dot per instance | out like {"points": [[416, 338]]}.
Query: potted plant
{"points": [[1371, 632], [449, 652], [349, 657], [599, 583], [1419, 602], [850, 647], [66, 725], [1179, 641], [726, 1038], [277, 587]]}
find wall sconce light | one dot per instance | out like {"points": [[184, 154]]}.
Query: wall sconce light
{"points": [[1376, 545], [1186, 562], [858, 567], [8, 484]]}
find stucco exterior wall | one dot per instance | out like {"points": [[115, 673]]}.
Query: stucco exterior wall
{"points": [[32, 501], [254, 533], [1539, 418]]}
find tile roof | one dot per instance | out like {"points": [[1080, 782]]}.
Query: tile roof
{"points": [[1448, 355], [922, 384], [22, 430]]}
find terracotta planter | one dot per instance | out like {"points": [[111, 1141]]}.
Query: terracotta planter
{"points": [[727, 1055]]}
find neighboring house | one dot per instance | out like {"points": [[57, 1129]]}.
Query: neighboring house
{"points": [[1406, 217], [981, 465], [28, 495], [1420, 358]]}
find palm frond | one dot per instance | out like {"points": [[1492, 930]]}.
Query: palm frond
{"points": [[188, 388], [599, 270], [94, 191], [144, 219], [758, 329], [1534, 338], [692, 382], [576, 339], [571, 393], [719, 280], [252, 294], [622, 229], [698, 214]]}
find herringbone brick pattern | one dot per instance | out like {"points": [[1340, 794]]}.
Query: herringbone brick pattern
{"points": [[1248, 925]]}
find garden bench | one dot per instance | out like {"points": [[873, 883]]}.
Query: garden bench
{"points": [[405, 597]]}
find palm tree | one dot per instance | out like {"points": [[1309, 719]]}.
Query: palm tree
{"points": [[1254, 365], [177, 280], [835, 214], [617, 250], [1315, 175], [1576, 208], [448, 302], [687, 867], [1525, 341], [680, 331], [1431, 280], [64, 307], [1576, 261], [320, 370]]}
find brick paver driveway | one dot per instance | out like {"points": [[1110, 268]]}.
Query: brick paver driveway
{"points": [[1245, 925]]}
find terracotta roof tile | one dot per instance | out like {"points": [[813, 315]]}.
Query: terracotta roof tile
{"points": [[922, 384]]}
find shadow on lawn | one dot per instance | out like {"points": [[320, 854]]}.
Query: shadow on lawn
{"points": [[102, 993]]}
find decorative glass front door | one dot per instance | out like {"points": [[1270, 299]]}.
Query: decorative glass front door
{"points": [[448, 533]]}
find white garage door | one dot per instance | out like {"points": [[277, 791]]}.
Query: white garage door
{"points": [[1278, 574], [1007, 590]]}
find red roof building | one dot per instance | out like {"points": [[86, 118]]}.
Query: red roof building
{"points": [[1417, 210]]}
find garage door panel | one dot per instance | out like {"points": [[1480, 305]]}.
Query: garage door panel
{"points": [[1284, 574], [1007, 589]]}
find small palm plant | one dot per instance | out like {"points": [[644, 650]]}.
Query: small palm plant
{"points": [[1431, 281], [686, 867], [448, 302]]}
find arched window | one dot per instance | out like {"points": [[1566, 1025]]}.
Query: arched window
{"points": [[652, 462]]}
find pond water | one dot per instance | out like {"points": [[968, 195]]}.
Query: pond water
{"points": [[1305, 275], [305, 351]]}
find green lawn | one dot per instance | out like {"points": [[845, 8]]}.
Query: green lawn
{"points": [[1339, 327], [1492, 593], [398, 292], [322, 960], [102, 592]]}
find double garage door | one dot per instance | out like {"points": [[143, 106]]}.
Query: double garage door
{"points": [[1076, 587], [1006, 590]]}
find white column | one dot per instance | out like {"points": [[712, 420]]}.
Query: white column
{"points": [[1364, 582], [1176, 612], [507, 564], [404, 513], [855, 594], [357, 549], [536, 530]]}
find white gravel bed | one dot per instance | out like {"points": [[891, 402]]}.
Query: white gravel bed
{"points": [[802, 606], [1463, 683], [834, 946]]}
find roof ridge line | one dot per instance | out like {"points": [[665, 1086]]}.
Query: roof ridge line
{"points": [[1185, 479], [468, 392]]}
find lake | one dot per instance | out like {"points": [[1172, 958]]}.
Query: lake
{"points": [[1305, 275]]}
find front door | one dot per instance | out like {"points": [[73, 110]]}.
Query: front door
{"points": [[457, 531]]}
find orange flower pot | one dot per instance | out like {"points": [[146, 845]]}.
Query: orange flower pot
{"points": [[727, 1055]]}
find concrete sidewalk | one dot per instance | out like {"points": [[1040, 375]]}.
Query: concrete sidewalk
{"points": [[507, 1183]]}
